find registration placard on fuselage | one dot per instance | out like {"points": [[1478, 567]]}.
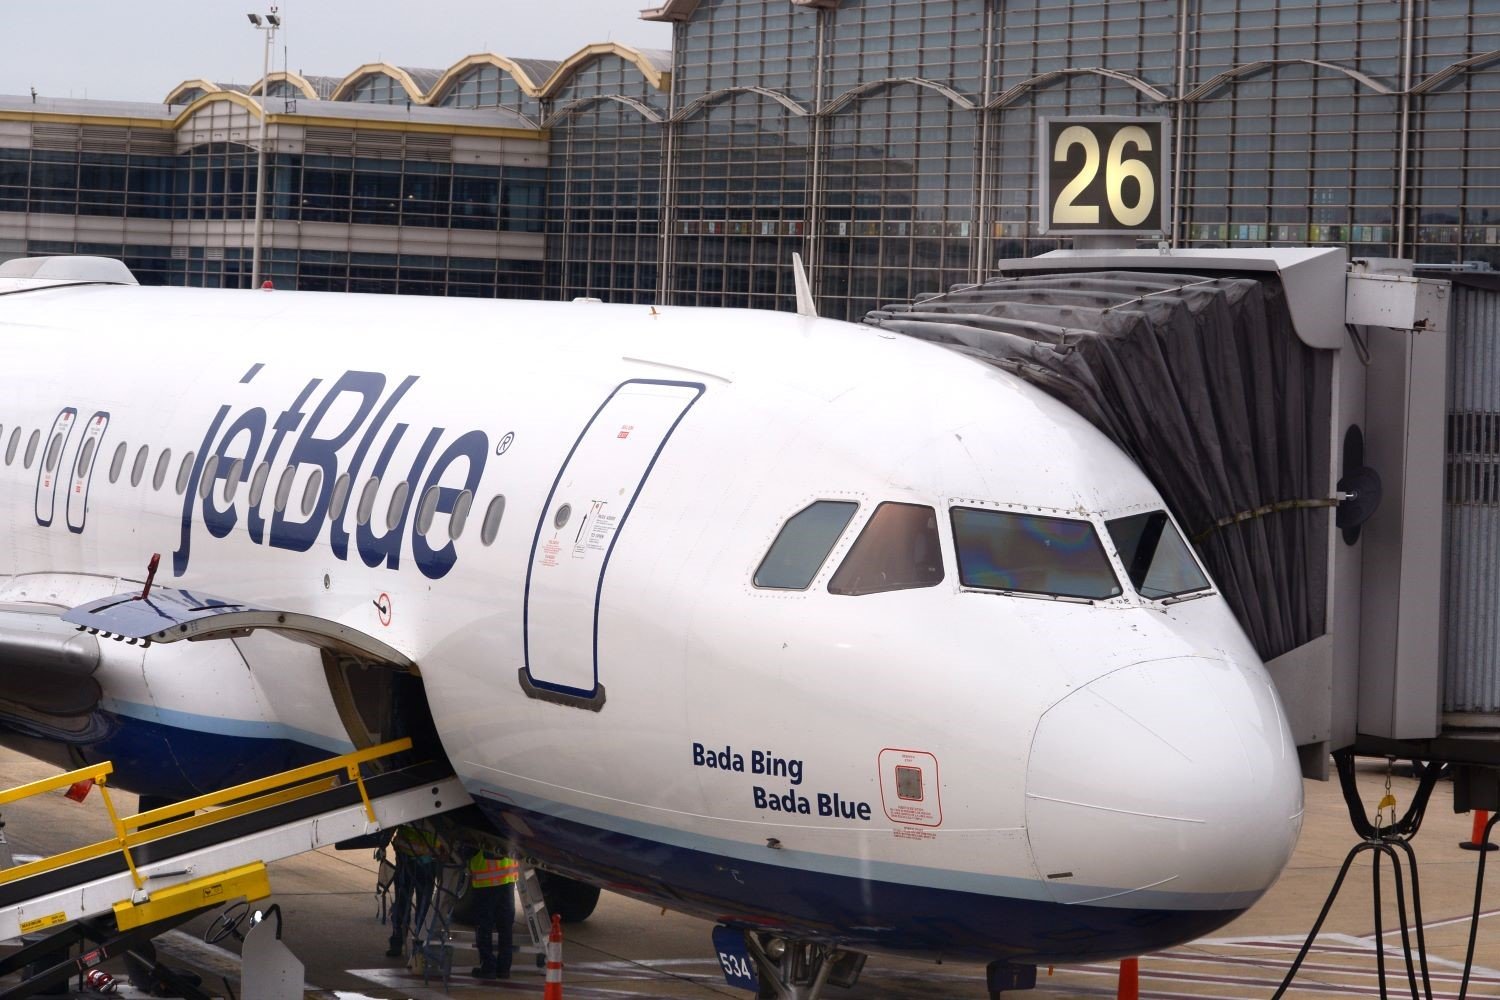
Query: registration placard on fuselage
{"points": [[1104, 175]]}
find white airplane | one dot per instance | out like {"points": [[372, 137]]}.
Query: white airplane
{"points": [[788, 623]]}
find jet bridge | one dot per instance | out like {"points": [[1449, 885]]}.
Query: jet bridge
{"points": [[1289, 404], [167, 865]]}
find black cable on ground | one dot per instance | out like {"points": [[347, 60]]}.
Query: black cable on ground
{"points": [[1384, 841], [1416, 906], [1463, 987]]}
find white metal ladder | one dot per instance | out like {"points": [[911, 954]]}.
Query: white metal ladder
{"points": [[534, 911]]}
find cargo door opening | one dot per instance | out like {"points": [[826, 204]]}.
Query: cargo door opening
{"points": [[378, 702]]}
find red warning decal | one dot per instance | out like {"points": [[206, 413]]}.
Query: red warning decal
{"points": [[909, 787]]}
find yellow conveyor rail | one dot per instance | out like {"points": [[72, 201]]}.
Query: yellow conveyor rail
{"points": [[248, 881]]}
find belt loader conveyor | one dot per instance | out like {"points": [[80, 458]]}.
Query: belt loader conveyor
{"points": [[209, 850]]}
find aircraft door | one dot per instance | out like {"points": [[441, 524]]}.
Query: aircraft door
{"points": [[83, 471], [47, 470], [587, 509]]}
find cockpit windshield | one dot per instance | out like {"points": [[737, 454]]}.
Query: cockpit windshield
{"points": [[1031, 554], [1155, 555]]}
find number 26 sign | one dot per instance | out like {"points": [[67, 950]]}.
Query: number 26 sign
{"points": [[1104, 175]]}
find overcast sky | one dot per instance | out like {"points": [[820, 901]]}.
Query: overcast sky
{"points": [[110, 50]]}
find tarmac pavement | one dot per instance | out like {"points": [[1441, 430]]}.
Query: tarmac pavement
{"points": [[629, 949]]}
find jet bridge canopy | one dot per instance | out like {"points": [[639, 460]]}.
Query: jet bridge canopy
{"points": [[1205, 384]]}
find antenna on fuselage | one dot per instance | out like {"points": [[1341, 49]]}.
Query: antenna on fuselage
{"points": [[805, 304]]}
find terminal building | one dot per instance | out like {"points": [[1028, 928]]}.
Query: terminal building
{"points": [[892, 142]]}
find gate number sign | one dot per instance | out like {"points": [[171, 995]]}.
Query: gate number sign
{"points": [[1104, 175]]}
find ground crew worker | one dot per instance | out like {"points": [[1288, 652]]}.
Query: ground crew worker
{"points": [[492, 879], [416, 870]]}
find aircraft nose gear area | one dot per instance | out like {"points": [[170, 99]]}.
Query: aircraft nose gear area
{"points": [[798, 970]]}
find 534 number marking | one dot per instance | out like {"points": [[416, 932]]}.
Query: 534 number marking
{"points": [[1104, 175]]}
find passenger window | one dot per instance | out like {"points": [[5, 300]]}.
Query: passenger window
{"points": [[1156, 558], [54, 450], [310, 492], [162, 464], [367, 500], [803, 545], [117, 464], [206, 483], [427, 509], [10, 449], [460, 514], [491, 526], [85, 457], [258, 483], [284, 488], [339, 498], [139, 468], [31, 443], [185, 472], [1031, 554], [898, 549], [231, 481], [398, 505]]}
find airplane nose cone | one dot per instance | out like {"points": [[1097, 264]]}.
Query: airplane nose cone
{"points": [[1171, 784]]}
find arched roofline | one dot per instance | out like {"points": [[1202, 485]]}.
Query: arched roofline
{"points": [[850, 96], [647, 112], [207, 86], [1447, 73], [720, 96], [1215, 83], [250, 104], [659, 78], [509, 66], [295, 79], [1041, 80], [349, 83]]}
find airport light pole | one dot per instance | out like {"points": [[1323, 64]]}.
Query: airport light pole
{"points": [[266, 25]]}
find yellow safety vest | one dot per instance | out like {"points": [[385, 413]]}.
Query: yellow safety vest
{"points": [[415, 843], [485, 872]]}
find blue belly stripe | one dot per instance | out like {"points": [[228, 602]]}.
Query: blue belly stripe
{"points": [[858, 913], [863, 912]]}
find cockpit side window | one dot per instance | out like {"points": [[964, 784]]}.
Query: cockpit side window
{"points": [[803, 545], [897, 550], [1155, 555], [1031, 554]]}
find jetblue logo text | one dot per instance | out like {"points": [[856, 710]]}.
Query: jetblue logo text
{"points": [[361, 441]]}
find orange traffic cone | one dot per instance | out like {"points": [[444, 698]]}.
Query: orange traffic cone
{"points": [[553, 989], [1130, 979], [1476, 841]]}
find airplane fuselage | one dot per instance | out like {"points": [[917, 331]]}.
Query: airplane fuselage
{"points": [[562, 514]]}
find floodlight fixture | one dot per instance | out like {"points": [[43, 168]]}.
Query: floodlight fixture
{"points": [[267, 24]]}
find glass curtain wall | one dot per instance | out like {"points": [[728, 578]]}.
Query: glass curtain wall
{"points": [[740, 203], [605, 185], [1289, 115], [898, 215], [489, 86], [216, 182]]}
